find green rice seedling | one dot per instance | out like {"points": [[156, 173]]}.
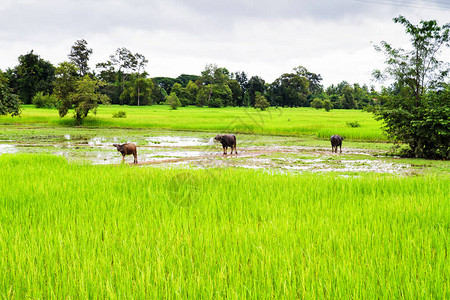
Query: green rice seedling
{"points": [[274, 121], [83, 231]]}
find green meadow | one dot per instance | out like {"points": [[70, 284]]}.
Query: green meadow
{"points": [[84, 231], [274, 121], [72, 229]]}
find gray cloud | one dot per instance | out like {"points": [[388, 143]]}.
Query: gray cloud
{"points": [[261, 37]]}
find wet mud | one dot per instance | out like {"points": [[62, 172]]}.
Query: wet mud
{"points": [[169, 151]]}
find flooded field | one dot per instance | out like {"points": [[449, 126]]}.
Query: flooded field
{"points": [[173, 149]]}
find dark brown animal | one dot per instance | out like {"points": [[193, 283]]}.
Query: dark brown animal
{"points": [[127, 149], [227, 140], [336, 140]]}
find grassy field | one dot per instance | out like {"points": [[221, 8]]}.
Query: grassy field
{"points": [[82, 231], [275, 121], [71, 229]]}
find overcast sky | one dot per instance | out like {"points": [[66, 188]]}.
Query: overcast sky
{"points": [[333, 38]]}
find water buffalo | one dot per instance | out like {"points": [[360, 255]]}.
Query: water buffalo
{"points": [[336, 140], [127, 149], [227, 140]]}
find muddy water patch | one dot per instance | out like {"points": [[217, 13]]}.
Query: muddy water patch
{"points": [[5, 148], [177, 141]]}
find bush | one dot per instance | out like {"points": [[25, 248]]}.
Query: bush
{"points": [[327, 105], [317, 103], [120, 114], [353, 124], [45, 101], [173, 101], [261, 101], [215, 102]]}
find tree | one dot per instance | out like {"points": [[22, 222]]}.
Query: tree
{"points": [[78, 94], [317, 103], [173, 101], [120, 66], [290, 89], [327, 105], [65, 85], [261, 101], [409, 109], [314, 80], [138, 91], [86, 98], [32, 75], [79, 56], [255, 84], [9, 102]]}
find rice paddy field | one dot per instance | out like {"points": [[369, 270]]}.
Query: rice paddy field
{"points": [[274, 121], [285, 218]]}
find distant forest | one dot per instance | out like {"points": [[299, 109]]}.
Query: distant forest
{"points": [[124, 80]]}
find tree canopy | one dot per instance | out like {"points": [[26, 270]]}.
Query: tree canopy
{"points": [[416, 106]]}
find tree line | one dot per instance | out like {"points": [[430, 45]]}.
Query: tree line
{"points": [[414, 107], [124, 80]]}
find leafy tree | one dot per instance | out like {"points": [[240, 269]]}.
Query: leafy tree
{"points": [[317, 103], [158, 94], [241, 78], [32, 75], [166, 83], [202, 96], [191, 91], [181, 93], [261, 101], [416, 108], [86, 98], [348, 99], [314, 87], [9, 102], [121, 66], [327, 105], [184, 79], [65, 85], [79, 56], [290, 89], [173, 101], [236, 92], [80, 94], [255, 84], [221, 96], [138, 91]]}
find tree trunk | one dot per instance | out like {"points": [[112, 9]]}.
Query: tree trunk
{"points": [[210, 92]]}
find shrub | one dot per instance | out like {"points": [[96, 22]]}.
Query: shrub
{"points": [[261, 101], [173, 101], [215, 102], [353, 124], [327, 105], [317, 103], [45, 101], [120, 114]]}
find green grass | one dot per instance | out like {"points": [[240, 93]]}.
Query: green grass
{"points": [[275, 121], [83, 231]]}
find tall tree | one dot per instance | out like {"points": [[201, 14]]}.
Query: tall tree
{"points": [[79, 56], [65, 85], [255, 84], [9, 102], [416, 74], [32, 75]]}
